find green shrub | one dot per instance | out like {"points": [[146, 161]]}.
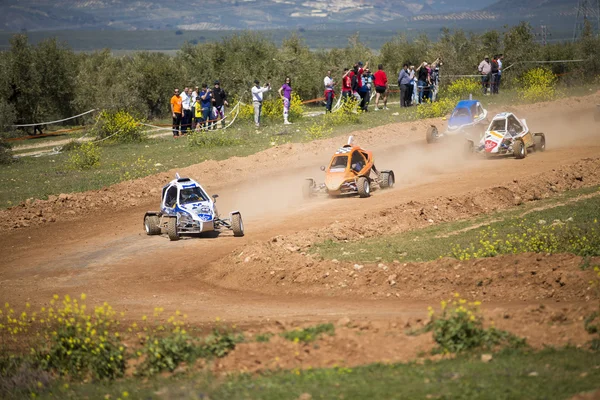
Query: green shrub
{"points": [[7, 115], [82, 344], [87, 156], [538, 84], [459, 327], [264, 337], [318, 130], [347, 114], [138, 169], [309, 334], [71, 145], [462, 88], [210, 139], [582, 240], [436, 109], [6, 156], [119, 126], [219, 343], [166, 353]]}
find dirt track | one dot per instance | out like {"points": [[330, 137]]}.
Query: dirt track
{"points": [[96, 243]]}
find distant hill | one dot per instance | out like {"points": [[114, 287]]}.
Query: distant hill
{"points": [[39, 15], [534, 6]]}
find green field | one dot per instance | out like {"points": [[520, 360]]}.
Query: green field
{"points": [[547, 374]]}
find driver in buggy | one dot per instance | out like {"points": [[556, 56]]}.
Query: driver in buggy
{"points": [[357, 165], [189, 196]]}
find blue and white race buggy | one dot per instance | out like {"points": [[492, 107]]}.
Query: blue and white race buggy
{"points": [[185, 208], [468, 117]]}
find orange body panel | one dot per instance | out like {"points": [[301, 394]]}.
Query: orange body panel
{"points": [[339, 173]]}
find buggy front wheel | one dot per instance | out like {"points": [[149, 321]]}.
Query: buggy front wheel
{"points": [[237, 225], [432, 134], [519, 149], [363, 186], [172, 229]]}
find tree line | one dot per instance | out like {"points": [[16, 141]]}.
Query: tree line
{"points": [[50, 81]]}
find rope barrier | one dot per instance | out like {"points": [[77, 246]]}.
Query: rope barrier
{"points": [[53, 122]]}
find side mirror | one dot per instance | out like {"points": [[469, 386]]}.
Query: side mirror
{"points": [[322, 168], [215, 196]]}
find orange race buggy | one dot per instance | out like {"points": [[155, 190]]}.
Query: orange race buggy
{"points": [[350, 171]]}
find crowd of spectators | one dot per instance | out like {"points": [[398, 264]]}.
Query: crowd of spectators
{"points": [[203, 107], [200, 108]]}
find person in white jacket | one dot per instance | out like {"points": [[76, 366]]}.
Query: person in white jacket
{"points": [[257, 99]]}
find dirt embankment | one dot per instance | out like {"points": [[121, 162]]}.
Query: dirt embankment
{"points": [[284, 263], [360, 342]]}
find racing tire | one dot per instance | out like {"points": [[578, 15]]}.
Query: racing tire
{"points": [[539, 142], [469, 148], [432, 134], [363, 186], [307, 189], [237, 225], [151, 225], [172, 229], [387, 180], [519, 149]]}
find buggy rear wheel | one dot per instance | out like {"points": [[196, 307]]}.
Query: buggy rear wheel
{"points": [[363, 186], [468, 149], [539, 142], [151, 225], [172, 229], [237, 225], [307, 188], [519, 149], [432, 134], [387, 180]]}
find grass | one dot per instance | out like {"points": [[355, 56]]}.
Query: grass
{"points": [[439, 240], [550, 373], [39, 177]]}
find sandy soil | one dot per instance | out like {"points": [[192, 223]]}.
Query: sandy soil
{"points": [[94, 243]]}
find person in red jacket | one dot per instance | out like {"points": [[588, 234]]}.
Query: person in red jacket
{"points": [[381, 86], [346, 84]]}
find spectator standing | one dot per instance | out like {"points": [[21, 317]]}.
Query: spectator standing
{"points": [[412, 88], [381, 87], [354, 79], [197, 107], [176, 112], [186, 103], [499, 78], [329, 93], [494, 76], [365, 89], [285, 92], [257, 99], [423, 81], [193, 102], [220, 101], [346, 84], [485, 69], [435, 79], [206, 105], [404, 84]]}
